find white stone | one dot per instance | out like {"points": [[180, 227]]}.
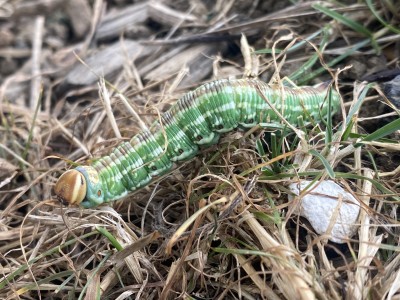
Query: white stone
{"points": [[320, 205]]}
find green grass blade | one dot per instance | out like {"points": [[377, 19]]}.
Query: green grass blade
{"points": [[375, 13], [347, 132], [333, 62], [296, 46], [329, 126], [349, 23], [260, 148], [381, 132], [313, 59], [375, 183], [356, 107], [326, 164], [110, 237]]}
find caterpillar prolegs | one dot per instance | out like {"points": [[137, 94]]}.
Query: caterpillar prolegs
{"points": [[196, 119]]}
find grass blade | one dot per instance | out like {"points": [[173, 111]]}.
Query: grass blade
{"points": [[381, 132], [349, 23], [326, 164]]}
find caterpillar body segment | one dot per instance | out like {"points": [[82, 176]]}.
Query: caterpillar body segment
{"points": [[197, 119]]}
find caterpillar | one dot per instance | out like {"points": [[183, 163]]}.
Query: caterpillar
{"points": [[196, 119]]}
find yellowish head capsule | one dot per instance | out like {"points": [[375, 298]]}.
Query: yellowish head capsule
{"points": [[71, 187]]}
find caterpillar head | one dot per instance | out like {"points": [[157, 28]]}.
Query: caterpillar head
{"points": [[80, 186]]}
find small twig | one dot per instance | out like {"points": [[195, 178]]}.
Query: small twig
{"points": [[105, 97], [142, 125], [72, 138], [17, 157]]}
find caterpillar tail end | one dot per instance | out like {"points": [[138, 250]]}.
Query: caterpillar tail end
{"points": [[71, 188]]}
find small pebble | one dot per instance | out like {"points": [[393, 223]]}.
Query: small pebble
{"points": [[320, 205]]}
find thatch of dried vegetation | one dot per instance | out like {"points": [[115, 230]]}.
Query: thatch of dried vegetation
{"points": [[220, 226]]}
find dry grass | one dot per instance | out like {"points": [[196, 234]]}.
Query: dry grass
{"points": [[220, 226]]}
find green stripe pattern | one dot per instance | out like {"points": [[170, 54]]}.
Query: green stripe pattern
{"points": [[198, 119]]}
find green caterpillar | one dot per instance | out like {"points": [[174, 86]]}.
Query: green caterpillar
{"points": [[196, 119]]}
